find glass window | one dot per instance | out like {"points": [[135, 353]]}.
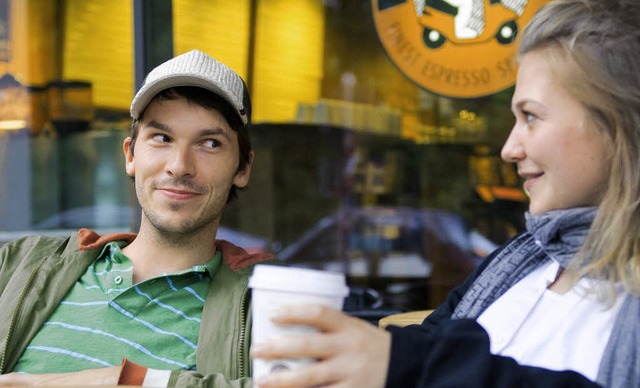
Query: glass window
{"points": [[359, 168], [67, 84]]}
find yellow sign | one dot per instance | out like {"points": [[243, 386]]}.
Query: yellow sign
{"points": [[455, 48]]}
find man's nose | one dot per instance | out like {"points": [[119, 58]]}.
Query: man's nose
{"points": [[181, 162]]}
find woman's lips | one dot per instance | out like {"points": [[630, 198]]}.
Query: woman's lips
{"points": [[530, 180]]}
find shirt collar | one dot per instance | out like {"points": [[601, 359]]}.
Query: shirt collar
{"points": [[113, 250]]}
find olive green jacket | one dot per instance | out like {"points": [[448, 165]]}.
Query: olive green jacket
{"points": [[36, 273]]}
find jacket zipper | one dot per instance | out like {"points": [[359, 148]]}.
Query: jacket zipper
{"points": [[14, 316], [242, 336]]}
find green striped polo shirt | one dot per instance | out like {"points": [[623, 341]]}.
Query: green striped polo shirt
{"points": [[105, 317]]}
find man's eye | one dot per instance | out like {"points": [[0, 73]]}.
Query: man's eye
{"points": [[161, 138], [211, 143]]}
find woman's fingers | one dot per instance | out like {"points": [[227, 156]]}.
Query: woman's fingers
{"points": [[349, 352], [321, 317]]}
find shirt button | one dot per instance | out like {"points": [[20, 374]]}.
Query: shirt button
{"points": [[118, 279]]}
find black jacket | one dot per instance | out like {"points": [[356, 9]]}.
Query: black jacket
{"points": [[442, 352]]}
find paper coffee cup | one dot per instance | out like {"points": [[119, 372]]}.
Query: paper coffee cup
{"points": [[273, 286]]}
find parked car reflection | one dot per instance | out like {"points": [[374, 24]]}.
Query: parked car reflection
{"points": [[412, 257]]}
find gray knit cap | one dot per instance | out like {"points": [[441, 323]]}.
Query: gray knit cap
{"points": [[193, 68]]}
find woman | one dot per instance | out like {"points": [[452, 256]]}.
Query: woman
{"points": [[559, 304]]}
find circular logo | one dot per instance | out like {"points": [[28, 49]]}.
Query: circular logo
{"points": [[455, 48]]}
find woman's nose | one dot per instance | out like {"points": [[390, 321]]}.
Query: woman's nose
{"points": [[512, 150]]}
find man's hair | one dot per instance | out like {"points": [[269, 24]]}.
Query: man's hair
{"points": [[593, 50], [208, 100]]}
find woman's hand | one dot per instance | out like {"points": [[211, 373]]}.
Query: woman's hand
{"points": [[351, 352]]}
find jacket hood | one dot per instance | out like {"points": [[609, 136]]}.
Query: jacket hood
{"points": [[234, 256]]}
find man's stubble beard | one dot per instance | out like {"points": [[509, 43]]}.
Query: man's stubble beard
{"points": [[187, 231]]}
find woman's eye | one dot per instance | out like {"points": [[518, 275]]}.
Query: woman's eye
{"points": [[528, 116]]}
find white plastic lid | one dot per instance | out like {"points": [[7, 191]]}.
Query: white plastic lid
{"points": [[300, 280]]}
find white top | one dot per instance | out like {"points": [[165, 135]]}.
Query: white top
{"points": [[539, 327]]}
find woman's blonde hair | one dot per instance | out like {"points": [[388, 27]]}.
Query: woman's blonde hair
{"points": [[593, 47]]}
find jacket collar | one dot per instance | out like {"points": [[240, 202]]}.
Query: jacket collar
{"points": [[235, 257]]}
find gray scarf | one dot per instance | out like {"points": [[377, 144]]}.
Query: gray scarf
{"points": [[558, 235]]}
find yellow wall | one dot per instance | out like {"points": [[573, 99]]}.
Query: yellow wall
{"points": [[32, 44], [288, 57], [98, 47], [288, 53], [218, 27]]}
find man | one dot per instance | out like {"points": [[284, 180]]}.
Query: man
{"points": [[168, 306]]}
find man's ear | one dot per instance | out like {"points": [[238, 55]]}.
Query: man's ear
{"points": [[128, 156], [242, 177]]}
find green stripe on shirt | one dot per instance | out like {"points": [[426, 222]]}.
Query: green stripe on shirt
{"points": [[105, 318]]}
